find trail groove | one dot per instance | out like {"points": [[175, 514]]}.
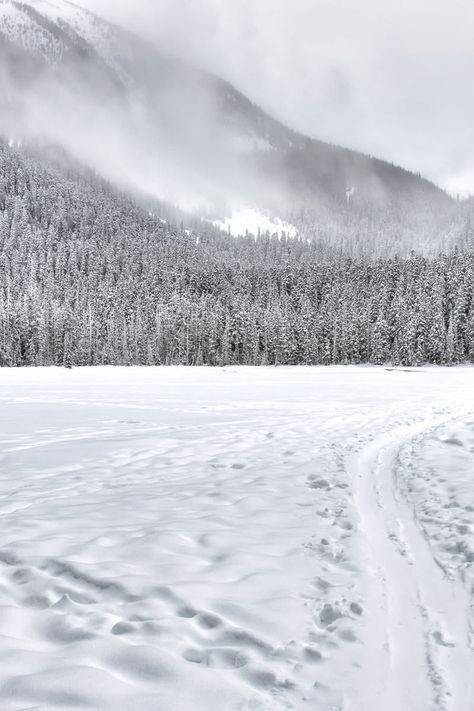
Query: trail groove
{"points": [[416, 653]]}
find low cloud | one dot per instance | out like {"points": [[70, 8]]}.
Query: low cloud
{"points": [[390, 78]]}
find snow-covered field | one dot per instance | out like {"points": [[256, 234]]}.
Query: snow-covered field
{"points": [[222, 539]]}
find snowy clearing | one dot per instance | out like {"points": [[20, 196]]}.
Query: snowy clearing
{"points": [[220, 539], [248, 220]]}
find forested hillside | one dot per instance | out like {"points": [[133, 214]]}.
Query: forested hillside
{"points": [[88, 276], [150, 121]]}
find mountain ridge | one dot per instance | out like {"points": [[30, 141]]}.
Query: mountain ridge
{"points": [[185, 135]]}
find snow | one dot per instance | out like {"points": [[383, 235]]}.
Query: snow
{"points": [[236, 538], [253, 221], [62, 10], [19, 27], [87, 25]]}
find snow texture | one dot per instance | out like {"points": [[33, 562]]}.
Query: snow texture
{"points": [[238, 538]]}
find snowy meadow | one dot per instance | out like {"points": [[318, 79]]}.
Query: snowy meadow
{"points": [[236, 538]]}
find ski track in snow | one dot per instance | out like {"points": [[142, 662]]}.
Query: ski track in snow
{"points": [[421, 640], [238, 538]]}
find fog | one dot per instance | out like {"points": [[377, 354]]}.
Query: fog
{"points": [[160, 133], [142, 118], [390, 78]]}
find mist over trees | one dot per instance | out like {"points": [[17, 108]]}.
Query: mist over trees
{"points": [[88, 276], [153, 123]]}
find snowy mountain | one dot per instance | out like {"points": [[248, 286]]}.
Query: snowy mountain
{"points": [[151, 122]]}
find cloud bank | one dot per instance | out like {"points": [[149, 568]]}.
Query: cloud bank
{"points": [[391, 77]]}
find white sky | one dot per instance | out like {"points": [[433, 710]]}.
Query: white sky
{"points": [[390, 77]]}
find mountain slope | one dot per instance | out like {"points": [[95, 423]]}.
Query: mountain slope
{"points": [[88, 277], [151, 122]]}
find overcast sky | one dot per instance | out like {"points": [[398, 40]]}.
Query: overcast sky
{"points": [[390, 77]]}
